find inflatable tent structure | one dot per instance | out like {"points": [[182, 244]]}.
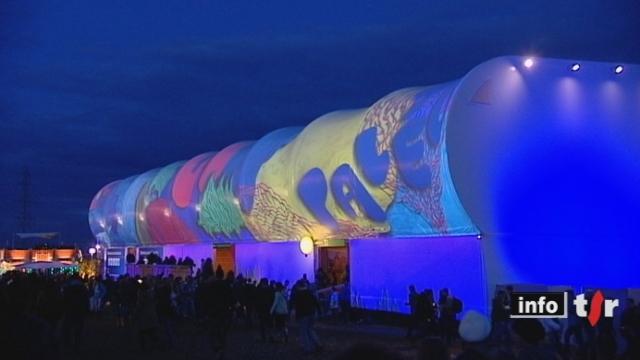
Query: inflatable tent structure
{"points": [[526, 170]]}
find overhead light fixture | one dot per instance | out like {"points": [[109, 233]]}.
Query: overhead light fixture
{"points": [[575, 67], [618, 69], [528, 63]]}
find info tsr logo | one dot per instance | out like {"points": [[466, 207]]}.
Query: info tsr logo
{"points": [[554, 305]]}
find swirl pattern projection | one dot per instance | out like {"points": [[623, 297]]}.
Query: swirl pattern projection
{"points": [[380, 171]]}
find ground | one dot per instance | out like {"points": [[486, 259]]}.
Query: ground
{"points": [[103, 340]]}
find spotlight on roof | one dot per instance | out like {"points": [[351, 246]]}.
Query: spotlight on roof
{"points": [[618, 69], [528, 63], [575, 67]]}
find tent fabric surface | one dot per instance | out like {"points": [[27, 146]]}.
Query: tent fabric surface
{"points": [[379, 171]]}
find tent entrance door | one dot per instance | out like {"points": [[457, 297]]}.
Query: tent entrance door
{"points": [[334, 263]]}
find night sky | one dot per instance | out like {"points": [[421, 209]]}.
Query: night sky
{"points": [[93, 92]]}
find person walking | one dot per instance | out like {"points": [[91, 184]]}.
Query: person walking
{"points": [[219, 302], [414, 319], [76, 306], [500, 319], [306, 307], [165, 310], [280, 312], [264, 300], [334, 302], [146, 316], [449, 306], [99, 291]]}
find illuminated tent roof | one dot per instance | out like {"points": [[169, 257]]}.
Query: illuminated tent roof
{"points": [[538, 158], [349, 174]]}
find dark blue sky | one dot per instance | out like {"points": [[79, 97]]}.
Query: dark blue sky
{"points": [[92, 92]]}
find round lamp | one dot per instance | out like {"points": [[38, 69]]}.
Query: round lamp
{"points": [[92, 251], [306, 245]]}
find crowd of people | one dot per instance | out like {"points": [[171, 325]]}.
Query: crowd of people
{"points": [[44, 307], [49, 311], [431, 317], [153, 258]]}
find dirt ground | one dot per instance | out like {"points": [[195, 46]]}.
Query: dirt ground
{"points": [[103, 340]]}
